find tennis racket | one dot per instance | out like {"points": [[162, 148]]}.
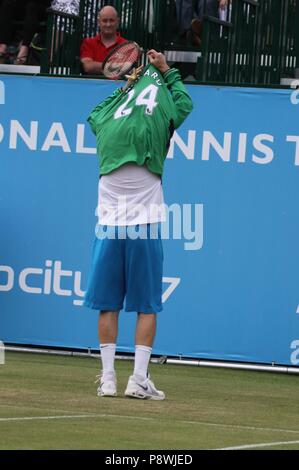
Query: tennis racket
{"points": [[121, 60]]}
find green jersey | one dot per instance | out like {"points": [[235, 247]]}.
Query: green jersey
{"points": [[136, 125]]}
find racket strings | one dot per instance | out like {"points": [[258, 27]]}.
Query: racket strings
{"points": [[121, 61], [126, 54]]}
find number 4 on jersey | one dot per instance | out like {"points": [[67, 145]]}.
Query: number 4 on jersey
{"points": [[146, 98]]}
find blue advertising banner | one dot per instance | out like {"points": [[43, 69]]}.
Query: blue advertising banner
{"points": [[230, 289]]}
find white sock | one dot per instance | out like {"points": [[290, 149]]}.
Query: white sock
{"points": [[107, 357], [142, 357]]}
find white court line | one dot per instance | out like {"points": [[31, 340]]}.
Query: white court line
{"points": [[147, 418], [40, 408], [243, 447], [240, 426], [33, 418], [255, 446]]}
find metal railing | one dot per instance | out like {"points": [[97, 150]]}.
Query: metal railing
{"points": [[215, 62], [258, 45], [244, 42], [61, 54]]}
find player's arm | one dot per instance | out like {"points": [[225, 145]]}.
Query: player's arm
{"points": [[172, 78], [180, 96]]}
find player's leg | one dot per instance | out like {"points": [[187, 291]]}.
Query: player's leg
{"points": [[146, 328], [144, 263], [105, 293], [139, 384], [108, 330], [108, 326], [144, 339]]}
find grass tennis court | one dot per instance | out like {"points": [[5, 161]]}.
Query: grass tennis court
{"points": [[50, 402]]}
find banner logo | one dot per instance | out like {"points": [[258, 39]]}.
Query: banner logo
{"points": [[51, 279], [295, 94], [295, 354]]}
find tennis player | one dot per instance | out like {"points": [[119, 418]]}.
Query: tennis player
{"points": [[133, 128]]}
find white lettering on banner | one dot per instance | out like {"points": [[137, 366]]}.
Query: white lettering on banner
{"points": [[258, 145], [222, 145], [2, 92], [224, 150], [195, 235], [48, 278], [242, 147], [23, 280], [210, 141], [173, 283], [49, 281], [295, 354], [30, 139], [59, 273], [10, 278], [56, 128], [187, 149], [295, 139], [297, 309], [77, 285], [80, 148], [295, 94]]}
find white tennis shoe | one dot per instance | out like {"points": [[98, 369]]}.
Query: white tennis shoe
{"points": [[107, 387], [143, 389]]}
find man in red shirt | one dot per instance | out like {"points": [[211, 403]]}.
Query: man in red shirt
{"points": [[94, 50]]}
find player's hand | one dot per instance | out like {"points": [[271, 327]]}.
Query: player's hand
{"points": [[134, 75], [158, 60]]}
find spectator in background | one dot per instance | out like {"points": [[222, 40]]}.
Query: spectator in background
{"points": [[209, 7], [94, 50], [71, 7], [31, 12], [190, 14], [66, 6]]}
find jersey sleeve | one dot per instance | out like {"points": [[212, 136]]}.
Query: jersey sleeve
{"points": [[181, 98], [94, 115]]}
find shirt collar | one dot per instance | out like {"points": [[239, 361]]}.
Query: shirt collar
{"points": [[99, 39]]}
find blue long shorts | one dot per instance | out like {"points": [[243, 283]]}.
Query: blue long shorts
{"points": [[123, 267]]}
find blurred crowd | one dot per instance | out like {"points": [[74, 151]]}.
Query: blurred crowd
{"points": [[30, 17], [190, 17]]}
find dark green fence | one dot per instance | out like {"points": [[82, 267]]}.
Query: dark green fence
{"points": [[215, 61], [61, 53], [258, 44], [244, 42]]}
